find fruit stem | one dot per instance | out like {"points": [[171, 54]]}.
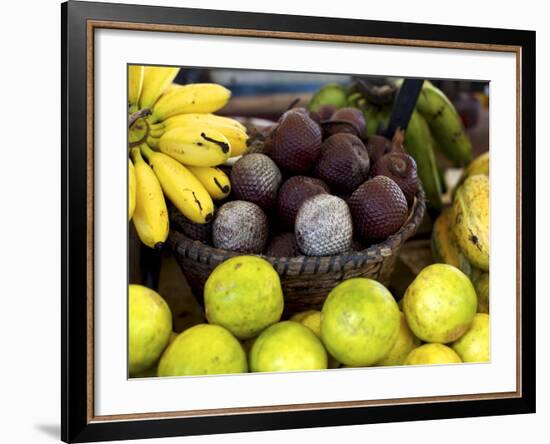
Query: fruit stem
{"points": [[146, 151], [293, 103], [138, 115], [397, 141]]}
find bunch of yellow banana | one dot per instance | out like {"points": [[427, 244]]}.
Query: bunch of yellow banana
{"points": [[176, 144], [460, 234]]}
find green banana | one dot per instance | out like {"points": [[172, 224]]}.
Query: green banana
{"points": [[471, 225], [445, 124], [135, 83], [418, 143], [330, 94]]}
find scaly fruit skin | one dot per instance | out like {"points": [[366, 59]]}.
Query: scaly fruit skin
{"points": [[418, 143], [444, 246], [236, 136], [445, 124], [195, 146], [131, 189], [155, 80], [471, 225], [214, 180], [193, 98], [180, 186], [150, 214], [135, 83]]}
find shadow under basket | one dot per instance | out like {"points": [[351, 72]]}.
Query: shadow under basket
{"points": [[306, 280]]}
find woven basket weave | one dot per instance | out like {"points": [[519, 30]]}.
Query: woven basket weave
{"points": [[306, 280]]}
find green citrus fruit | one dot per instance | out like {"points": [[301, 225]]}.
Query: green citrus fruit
{"points": [[432, 354], [244, 295], [149, 327], [203, 350], [287, 346], [440, 304], [405, 343], [359, 322], [474, 345], [312, 320]]}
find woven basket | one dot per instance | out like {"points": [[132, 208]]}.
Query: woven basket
{"points": [[306, 280]]}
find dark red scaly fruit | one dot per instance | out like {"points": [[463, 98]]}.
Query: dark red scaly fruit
{"points": [[377, 146], [283, 245], [293, 193], [256, 178], [296, 142], [353, 115], [379, 209], [344, 162], [400, 167]]}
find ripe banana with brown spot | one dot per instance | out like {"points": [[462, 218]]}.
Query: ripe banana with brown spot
{"points": [[444, 245], [192, 98], [214, 180], [195, 146], [445, 124], [237, 138], [181, 187], [131, 189], [150, 215], [135, 83], [155, 81], [471, 224]]}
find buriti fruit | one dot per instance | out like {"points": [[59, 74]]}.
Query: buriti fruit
{"points": [[296, 142], [149, 327], [240, 226], [283, 245], [256, 178], [432, 354], [287, 346], [379, 209], [324, 226], [360, 322], [440, 304], [244, 295], [203, 350], [292, 195], [474, 345], [405, 343], [344, 162]]}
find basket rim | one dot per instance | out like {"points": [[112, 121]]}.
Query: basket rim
{"points": [[181, 243]]}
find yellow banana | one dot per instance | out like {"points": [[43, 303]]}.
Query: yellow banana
{"points": [[131, 189], [150, 214], [180, 186], [193, 98], [206, 119], [471, 224], [135, 83], [418, 143], [236, 137], [445, 124], [214, 180], [195, 146], [444, 246], [155, 80]]}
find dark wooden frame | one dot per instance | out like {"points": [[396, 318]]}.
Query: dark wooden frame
{"points": [[79, 19]]}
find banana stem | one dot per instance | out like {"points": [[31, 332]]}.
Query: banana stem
{"points": [[135, 154], [147, 152], [138, 115]]}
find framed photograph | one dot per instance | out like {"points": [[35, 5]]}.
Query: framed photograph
{"points": [[275, 222]]}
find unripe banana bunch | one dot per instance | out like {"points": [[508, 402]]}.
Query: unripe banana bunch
{"points": [[176, 144]]}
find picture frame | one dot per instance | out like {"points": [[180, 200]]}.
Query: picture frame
{"points": [[80, 22]]}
